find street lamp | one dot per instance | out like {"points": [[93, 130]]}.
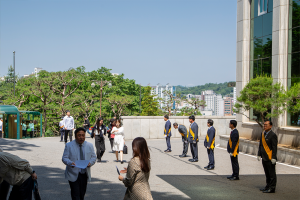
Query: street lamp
{"points": [[14, 74], [101, 83]]}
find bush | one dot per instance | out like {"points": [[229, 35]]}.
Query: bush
{"points": [[49, 133]]}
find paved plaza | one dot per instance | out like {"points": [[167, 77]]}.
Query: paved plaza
{"points": [[171, 177]]}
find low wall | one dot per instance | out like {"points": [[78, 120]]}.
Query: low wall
{"points": [[285, 155], [286, 135], [152, 127]]}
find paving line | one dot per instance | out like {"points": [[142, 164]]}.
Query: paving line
{"points": [[218, 146]]}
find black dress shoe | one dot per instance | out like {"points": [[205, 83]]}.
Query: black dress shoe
{"points": [[194, 160], [168, 151], [263, 189], [229, 177], [210, 168], [165, 150], [269, 191], [234, 178], [122, 162], [206, 167], [98, 160]]}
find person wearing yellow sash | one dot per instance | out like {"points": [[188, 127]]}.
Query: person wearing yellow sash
{"points": [[209, 143], [233, 150], [183, 132], [167, 133], [267, 150], [193, 138]]}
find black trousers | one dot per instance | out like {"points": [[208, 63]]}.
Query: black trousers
{"points": [[100, 146], [62, 133], [4, 189], [211, 158], [24, 133], [185, 147], [235, 166], [78, 188], [194, 150], [111, 140], [168, 140], [0, 134], [68, 132], [31, 134], [270, 173], [22, 192]]}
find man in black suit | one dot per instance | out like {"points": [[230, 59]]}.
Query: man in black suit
{"points": [[209, 143], [267, 150], [193, 138], [167, 133], [183, 132], [233, 150]]}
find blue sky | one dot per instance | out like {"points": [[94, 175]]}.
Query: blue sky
{"points": [[181, 42]]}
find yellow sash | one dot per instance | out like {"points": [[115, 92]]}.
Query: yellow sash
{"points": [[193, 134], [235, 153], [168, 131], [212, 143], [266, 147]]}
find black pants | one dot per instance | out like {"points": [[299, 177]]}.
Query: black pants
{"points": [[100, 146], [31, 134], [194, 150], [24, 133], [4, 189], [211, 158], [111, 143], [68, 132], [62, 133], [0, 134], [235, 166], [270, 173], [78, 188], [168, 140], [22, 192], [185, 147]]}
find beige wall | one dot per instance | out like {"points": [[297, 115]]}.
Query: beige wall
{"points": [[152, 127]]}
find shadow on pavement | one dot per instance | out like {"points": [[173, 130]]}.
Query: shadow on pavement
{"points": [[15, 145], [219, 187], [53, 185]]}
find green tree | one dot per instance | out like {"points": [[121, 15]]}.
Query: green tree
{"points": [[261, 95], [118, 103], [150, 106], [196, 104], [293, 99]]}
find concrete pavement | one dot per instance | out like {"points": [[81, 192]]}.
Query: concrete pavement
{"points": [[171, 177]]}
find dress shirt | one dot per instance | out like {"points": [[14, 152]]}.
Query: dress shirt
{"points": [[31, 125], [209, 127], [69, 122], [266, 133], [232, 130], [61, 124], [82, 171], [192, 124], [1, 123]]}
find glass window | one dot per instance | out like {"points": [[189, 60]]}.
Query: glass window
{"points": [[257, 43], [267, 24], [258, 27], [267, 46], [262, 7]]}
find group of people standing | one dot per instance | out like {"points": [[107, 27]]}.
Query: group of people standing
{"points": [[27, 128], [267, 150]]}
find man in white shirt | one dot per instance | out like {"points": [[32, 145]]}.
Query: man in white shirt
{"points": [[61, 129], [68, 126], [1, 125]]}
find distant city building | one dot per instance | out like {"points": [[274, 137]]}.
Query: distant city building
{"points": [[227, 106], [36, 71], [219, 110], [158, 91], [115, 74], [26, 75], [209, 97]]}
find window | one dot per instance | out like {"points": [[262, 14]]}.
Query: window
{"points": [[262, 7], [294, 54]]}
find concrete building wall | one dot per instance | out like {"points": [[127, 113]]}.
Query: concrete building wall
{"points": [[152, 127], [286, 135]]}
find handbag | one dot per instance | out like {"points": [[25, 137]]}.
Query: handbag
{"points": [[112, 135], [29, 130], [125, 149], [36, 193]]}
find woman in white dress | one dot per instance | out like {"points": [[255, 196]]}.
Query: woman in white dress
{"points": [[119, 140]]}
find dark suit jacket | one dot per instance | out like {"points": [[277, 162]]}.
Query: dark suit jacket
{"points": [[211, 135], [168, 128], [194, 128], [182, 129], [103, 127], [234, 136], [272, 142]]}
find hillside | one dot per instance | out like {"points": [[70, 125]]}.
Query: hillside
{"points": [[218, 88]]}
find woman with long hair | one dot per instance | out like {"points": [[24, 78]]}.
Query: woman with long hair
{"points": [[119, 139], [98, 131], [110, 135], [138, 172]]}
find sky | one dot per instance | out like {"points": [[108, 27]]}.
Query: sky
{"points": [[180, 42]]}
